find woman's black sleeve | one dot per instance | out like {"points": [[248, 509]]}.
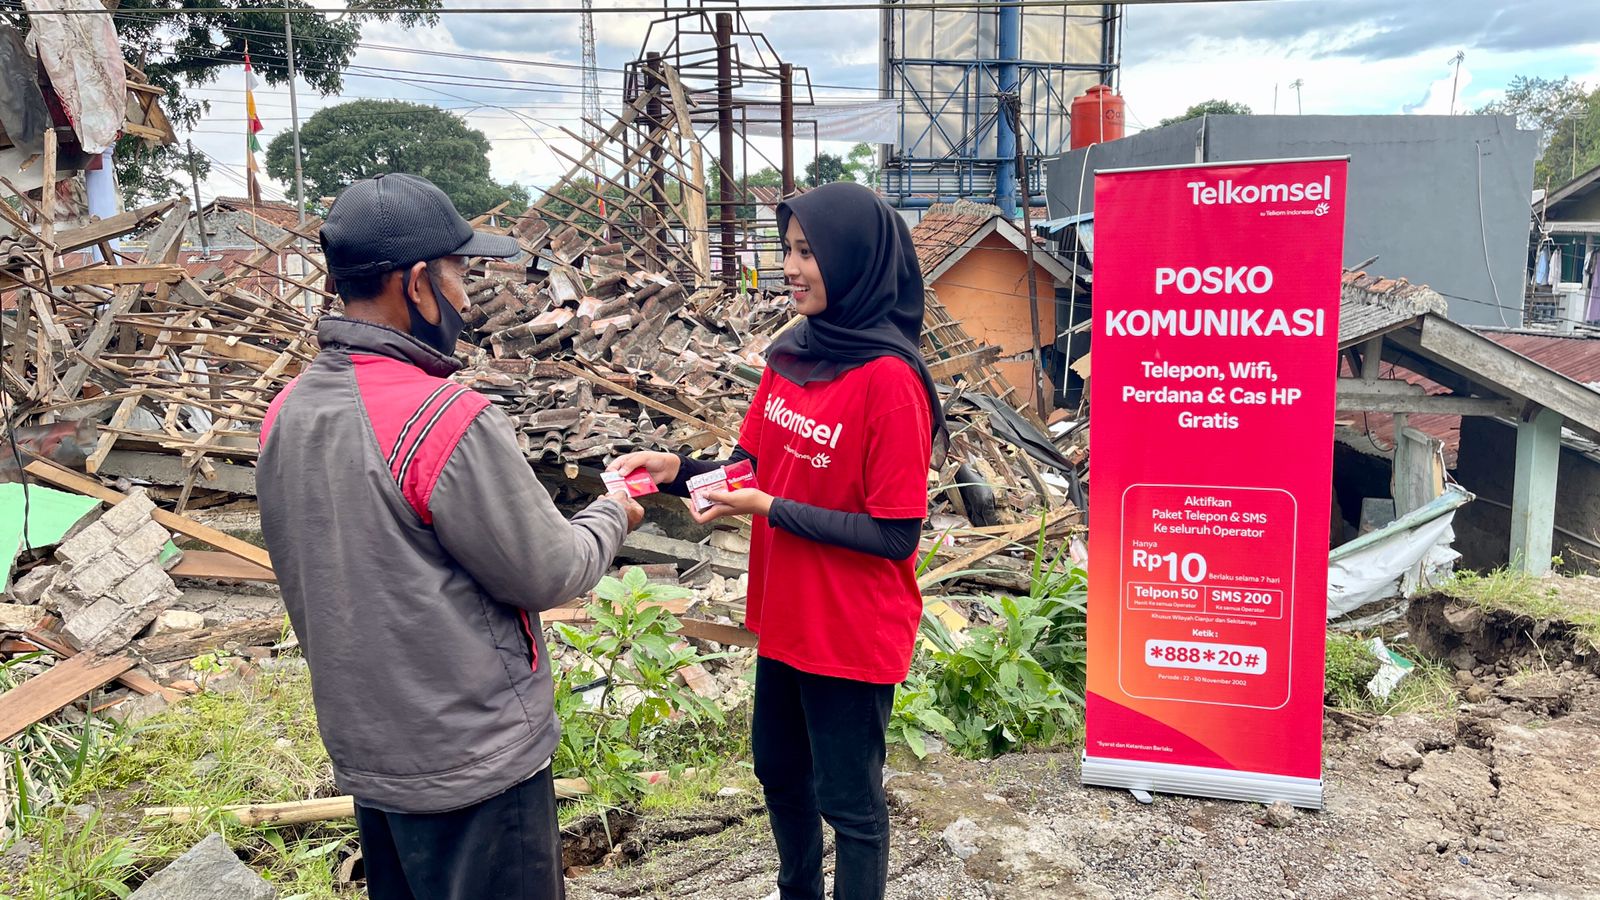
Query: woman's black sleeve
{"points": [[894, 539], [689, 468]]}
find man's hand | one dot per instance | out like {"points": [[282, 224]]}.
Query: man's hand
{"points": [[663, 467], [746, 502], [631, 507]]}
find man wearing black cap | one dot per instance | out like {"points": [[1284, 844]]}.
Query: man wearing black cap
{"points": [[414, 549]]}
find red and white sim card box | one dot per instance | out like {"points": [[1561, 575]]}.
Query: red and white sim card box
{"points": [[728, 478]]}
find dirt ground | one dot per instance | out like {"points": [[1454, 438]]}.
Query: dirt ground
{"points": [[1493, 799]]}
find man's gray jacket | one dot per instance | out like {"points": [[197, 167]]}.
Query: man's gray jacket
{"points": [[415, 548]]}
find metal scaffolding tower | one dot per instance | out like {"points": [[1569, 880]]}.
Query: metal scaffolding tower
{"points": [[949, 69]]}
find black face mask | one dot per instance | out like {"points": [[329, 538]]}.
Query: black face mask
{"points": [[443, 336]]}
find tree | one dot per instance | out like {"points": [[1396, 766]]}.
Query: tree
{"points": [[863, 164], [826, 169], [180, 50], [345, 143], [1210, 108], [1567, 115]]}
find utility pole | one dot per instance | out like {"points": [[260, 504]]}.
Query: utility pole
{"points": [[1274, 98], [1299, 110], [1456, 84], [294, 122], [199, 211]]}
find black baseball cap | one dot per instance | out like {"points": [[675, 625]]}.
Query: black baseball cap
{"points": [[395, 220]]}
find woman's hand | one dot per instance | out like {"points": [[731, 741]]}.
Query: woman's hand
{"points": [[663, 467], [746, 502]]}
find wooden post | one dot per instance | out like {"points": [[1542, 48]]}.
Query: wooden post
{"points": [[1533, 498], [786, 114], [727, 205]]}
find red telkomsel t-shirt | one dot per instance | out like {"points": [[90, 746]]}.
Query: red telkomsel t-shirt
{"points": [[859, 444]]}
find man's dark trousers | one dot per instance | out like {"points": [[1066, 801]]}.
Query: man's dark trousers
{"points": [[507, 847]]}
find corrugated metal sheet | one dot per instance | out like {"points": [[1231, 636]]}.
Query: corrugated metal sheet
{"points": [[1577, 358]]}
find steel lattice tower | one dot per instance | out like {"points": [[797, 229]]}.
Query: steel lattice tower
{"points": [[591, 74]]}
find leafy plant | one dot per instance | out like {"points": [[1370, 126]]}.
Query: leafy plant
{"points": [[631, 657], [87, 864]]}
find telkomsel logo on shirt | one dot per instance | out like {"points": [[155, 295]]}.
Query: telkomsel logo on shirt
{"points": [[779, 414]]}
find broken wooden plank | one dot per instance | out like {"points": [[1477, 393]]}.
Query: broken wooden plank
{"points": [[66, 681], [165, 648], [72, 481], [729, 635], [993, 546], [164, 468], [216, 566]]}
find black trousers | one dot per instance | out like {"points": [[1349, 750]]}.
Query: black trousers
{"points": [[819, 749], [507, 847]]}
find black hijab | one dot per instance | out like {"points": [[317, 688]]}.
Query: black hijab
{"points": [[874, 291]]}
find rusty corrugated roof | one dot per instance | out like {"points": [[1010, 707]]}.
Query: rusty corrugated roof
{"points": [[1576, 357]]}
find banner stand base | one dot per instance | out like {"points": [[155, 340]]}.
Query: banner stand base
{"points": [[1201, 781]]}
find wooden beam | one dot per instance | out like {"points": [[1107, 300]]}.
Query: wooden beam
{"points": [[1356, 399], [1510, 372], [66, 681], [164, 648], [729, 635], [72, 481], [164, 468], [113, 227], [209, 564], [134, 273]]}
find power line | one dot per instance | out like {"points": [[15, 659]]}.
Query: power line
{"points": [[664, 12]]}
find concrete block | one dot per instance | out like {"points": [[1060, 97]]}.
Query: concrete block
{"points": [[144, 544], [143, 583], [96, 579], [30, 588], [130, 515], [87, 545], [88, 624]]}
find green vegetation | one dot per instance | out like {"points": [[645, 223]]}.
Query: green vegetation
{"points": [[1526, 595], [1210, 108], [1351, 665], [1015, 682], [1566, 113]]}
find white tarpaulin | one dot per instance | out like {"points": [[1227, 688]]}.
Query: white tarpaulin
{"points": [[872, 121], [1395, 560], [83, 58]]}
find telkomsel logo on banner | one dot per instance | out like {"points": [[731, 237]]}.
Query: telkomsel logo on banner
{"points": [[1227, 192]]}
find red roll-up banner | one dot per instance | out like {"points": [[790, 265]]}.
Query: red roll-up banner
{"points": [[1216, 325]]}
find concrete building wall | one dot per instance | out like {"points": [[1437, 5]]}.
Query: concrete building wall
{"points": [[1416, 194], [987, 291], [1485, 465]]}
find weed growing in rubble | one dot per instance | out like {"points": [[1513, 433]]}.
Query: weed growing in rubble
{"points": [[1350, 665], [622, 695], [42, 764], [259, 744], [1016, 681]]}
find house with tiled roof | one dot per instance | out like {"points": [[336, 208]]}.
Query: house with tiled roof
{"points": [[1512, 417], [976, 261]]}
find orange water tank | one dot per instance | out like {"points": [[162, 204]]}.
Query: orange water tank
{"points": [[1096, 116]]}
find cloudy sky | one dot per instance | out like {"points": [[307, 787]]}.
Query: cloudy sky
{"points": [[513, 77]]}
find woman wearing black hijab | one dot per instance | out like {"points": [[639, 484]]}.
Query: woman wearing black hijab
{"points": [[840, 431]]}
